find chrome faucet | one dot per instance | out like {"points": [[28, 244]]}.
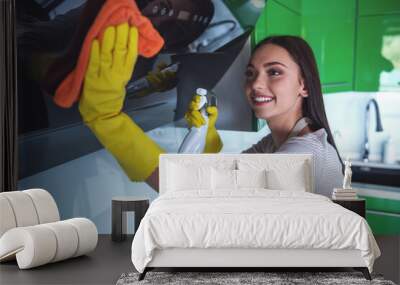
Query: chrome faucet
{"points": [[378, 126]]}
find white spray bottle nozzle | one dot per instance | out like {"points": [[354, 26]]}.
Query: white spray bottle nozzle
{"points": [[203, 97], [201, 91]]}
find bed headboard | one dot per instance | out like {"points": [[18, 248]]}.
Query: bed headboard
{"points": [[280, 162]]}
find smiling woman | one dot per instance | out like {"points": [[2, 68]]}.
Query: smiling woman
{"points": [[283, 87], [274, 86]]}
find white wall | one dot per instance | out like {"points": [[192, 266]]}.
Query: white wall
{"points": [[346, 116]]}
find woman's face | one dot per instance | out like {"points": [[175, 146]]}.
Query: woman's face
{"points": [[274, 85]]}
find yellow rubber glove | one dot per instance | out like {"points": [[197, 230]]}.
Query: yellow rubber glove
{"points": [[194, 118], [162, 81], [159, 81], [110, 67]]}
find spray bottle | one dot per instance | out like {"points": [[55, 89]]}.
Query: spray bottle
{"points": [[195, 140]]}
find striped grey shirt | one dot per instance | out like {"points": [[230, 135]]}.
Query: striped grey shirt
{"points": [[328, 169]]}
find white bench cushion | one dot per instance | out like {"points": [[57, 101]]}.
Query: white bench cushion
{"points": [[40, 244], [31, 232], [26, 208]]}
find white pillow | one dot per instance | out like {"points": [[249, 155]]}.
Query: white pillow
{"points": [[293, 179], [284, 171], [251, 178], [183, 177], [223, 179], [230, 179]]}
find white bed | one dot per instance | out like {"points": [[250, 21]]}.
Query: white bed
{"points": [[218, 217]]}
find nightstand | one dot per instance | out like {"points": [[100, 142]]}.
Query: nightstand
{"points": [[356, 205], [121, 205]]}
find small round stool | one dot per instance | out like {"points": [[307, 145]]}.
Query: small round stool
{"points": [[122, 204]]}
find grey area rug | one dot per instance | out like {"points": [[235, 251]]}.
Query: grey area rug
{"points": [[229, 278]]}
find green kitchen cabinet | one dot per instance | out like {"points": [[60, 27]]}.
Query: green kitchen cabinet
{"points": [[383, 212], [277, 19], [376, 7], [375, 36], [293, 5], [383, 223], [383, 204], [329, 28], [347, 37]]}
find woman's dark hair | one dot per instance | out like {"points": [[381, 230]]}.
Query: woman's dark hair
{"points": [[313, 105]]}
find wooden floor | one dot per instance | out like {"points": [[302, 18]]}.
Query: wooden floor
{"points": [[102, 266]]}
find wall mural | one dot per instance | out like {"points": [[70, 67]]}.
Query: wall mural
{"points": [[202, 42]]}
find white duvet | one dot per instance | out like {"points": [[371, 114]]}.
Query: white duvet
{"points": [[253, 218]]}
